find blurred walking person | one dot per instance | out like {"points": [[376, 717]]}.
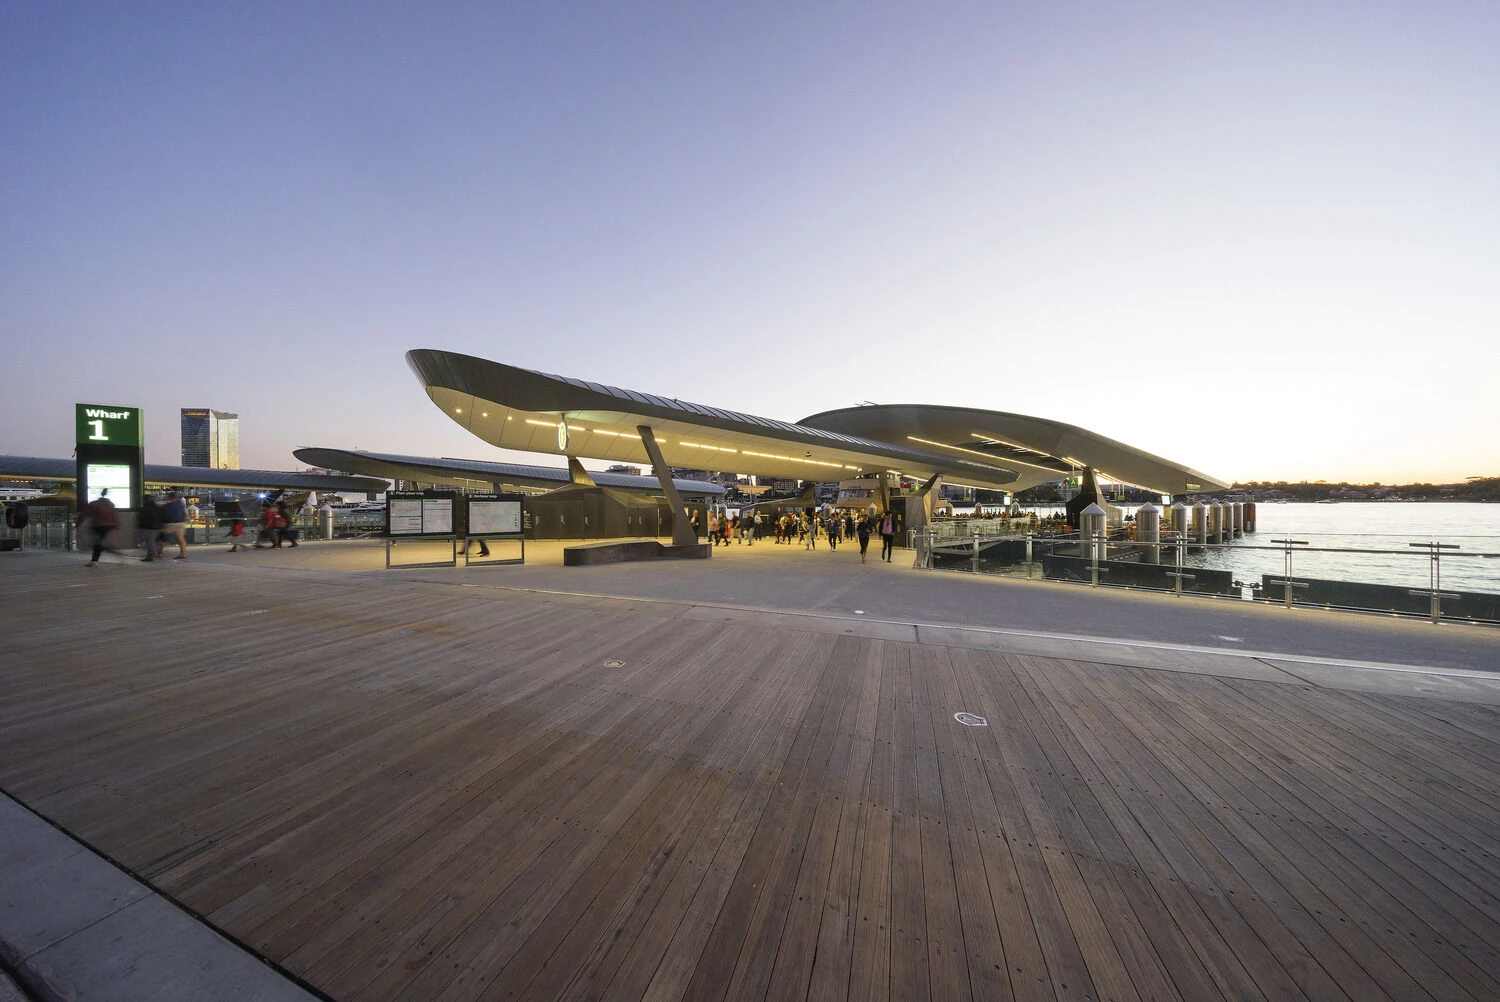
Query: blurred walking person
{"points": [[148, 526], [102, 519], [267, 532], [286, 532], [174, 524]]}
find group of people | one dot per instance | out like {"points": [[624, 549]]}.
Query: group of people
{"points": [[275, 530], [744, 528], [160, 524], [802, 528]]}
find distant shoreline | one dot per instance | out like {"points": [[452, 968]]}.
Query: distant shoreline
{"points": [[1478, 490]]}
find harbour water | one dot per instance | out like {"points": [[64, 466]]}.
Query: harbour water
{"points": [[1385, 527], [1382, 533]]}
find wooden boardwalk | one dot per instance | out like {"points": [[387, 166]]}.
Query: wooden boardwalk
{"points": [[404, 790]]}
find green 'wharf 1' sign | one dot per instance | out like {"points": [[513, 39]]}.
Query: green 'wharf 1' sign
{"points": [[101, 425]]}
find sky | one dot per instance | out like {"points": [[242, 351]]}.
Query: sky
{"points": [[1261, 240]]}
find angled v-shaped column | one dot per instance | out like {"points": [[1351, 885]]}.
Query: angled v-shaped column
{"points": [[578, 474], [682, 531]]}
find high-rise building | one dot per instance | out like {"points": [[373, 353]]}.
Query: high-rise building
{"points": [[210, 438]]}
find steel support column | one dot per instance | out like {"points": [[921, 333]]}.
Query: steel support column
{"points": [[682, 531]]}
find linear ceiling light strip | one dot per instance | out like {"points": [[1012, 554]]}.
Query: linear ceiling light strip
{"points": [[986, 455]]}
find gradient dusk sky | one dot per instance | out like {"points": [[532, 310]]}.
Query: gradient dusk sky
{"points": [[1260, 239]]}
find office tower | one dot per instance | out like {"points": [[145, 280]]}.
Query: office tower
{"points": [[210, 438]]}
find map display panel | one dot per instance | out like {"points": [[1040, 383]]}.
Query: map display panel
{"points": [[499, 517], [406, 517], [419, 513]]}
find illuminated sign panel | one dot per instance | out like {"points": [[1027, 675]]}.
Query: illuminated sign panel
{"points": [[114, 477], [109, 454], [97, 424]]}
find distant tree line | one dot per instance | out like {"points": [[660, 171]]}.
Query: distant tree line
{"points": [[1474, 489]]}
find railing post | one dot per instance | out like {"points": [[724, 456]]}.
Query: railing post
{"points": [[1028, 554], [1181, 546], [1434, 576], [974, 559], [1288, 582]]}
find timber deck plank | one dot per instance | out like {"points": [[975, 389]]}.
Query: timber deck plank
{"points": [[397, 788]]}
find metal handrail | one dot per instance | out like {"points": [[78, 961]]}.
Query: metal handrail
{"points": [[953, 545]]}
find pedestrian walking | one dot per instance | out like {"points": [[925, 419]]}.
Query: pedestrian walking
{"points": [[236, 534], [174, 524], [863, 532], [887, 536], [267, 533], [286, 532], [102, 519], [148, 527]]}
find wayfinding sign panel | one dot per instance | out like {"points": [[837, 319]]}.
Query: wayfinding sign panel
{"points": [[495, 515], [113, 477], [419, 513], [100, 424], [405, 516], [109, 454], [437, 516]]}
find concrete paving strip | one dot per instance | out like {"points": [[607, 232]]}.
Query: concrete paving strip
{"points": [[74, 926], [1227, 664], [1329, 673], [1231, 664], [1450, 683], [1461, 686]]}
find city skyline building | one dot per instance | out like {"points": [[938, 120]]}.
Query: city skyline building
{"points": [[210, 438]]}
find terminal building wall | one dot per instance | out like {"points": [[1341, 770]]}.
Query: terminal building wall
{"points": [[583, 512]]}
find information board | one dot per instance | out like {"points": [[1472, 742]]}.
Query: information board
{"points": [[114, 477], [108, 454], [495, 515], [437, 516], [419, 513], [405, 517]]}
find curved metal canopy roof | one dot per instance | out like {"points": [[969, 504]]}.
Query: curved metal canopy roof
{"points": [[1046, 449], [42, 468], [474, 473], [516, 408]]}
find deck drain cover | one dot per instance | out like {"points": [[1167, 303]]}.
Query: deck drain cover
{"points": [[970, 720], [614, 664]]}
